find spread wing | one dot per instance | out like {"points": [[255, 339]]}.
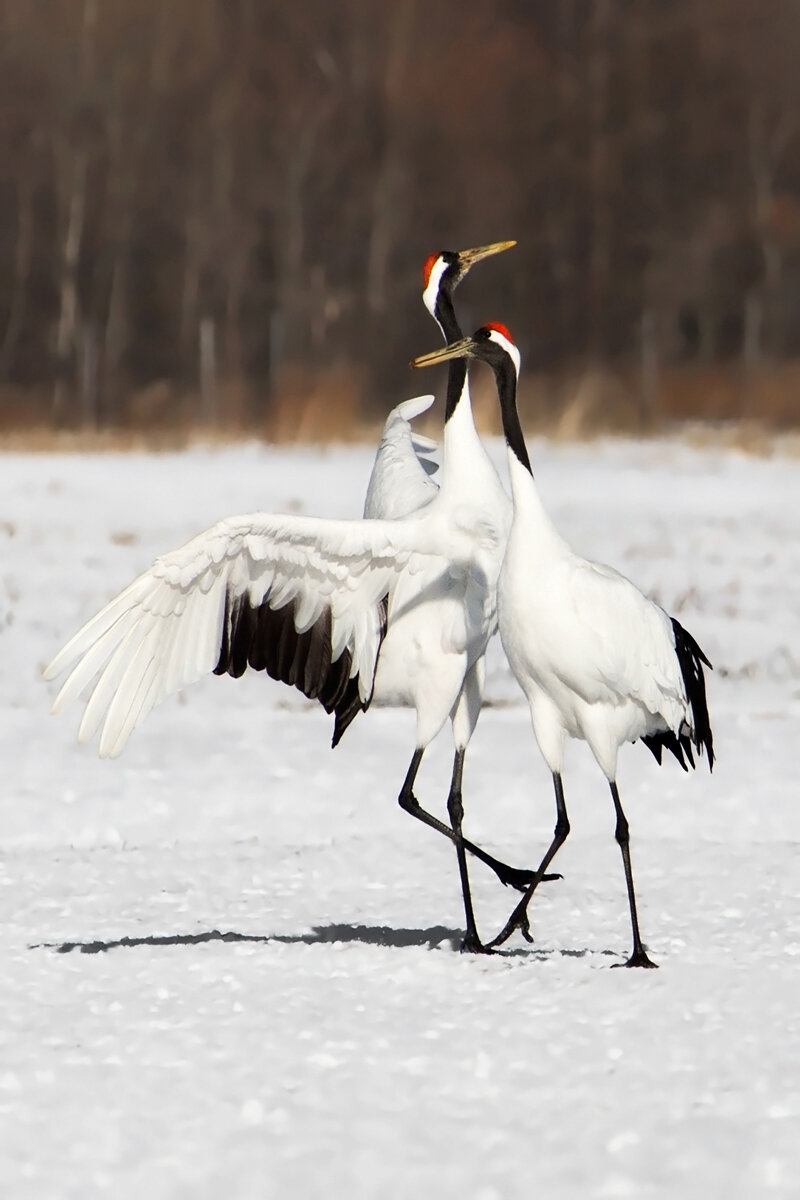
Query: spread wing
{"points": [[400, 482], [303, 598]]}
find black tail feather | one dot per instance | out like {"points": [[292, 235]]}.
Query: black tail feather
{"points": [[657, 742], [690, 659]]}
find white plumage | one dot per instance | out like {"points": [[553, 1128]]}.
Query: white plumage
{"points": [[395, 610], [596, 659], [166, 629], [401, 482], [465, 618], [583, 638]]}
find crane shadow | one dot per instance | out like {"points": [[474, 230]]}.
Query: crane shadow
{"points": [[371, 935], [436, 937]]}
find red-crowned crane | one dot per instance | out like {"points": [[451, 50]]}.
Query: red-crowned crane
{"points": [[400, 483], [595, 658], [350, 612]]}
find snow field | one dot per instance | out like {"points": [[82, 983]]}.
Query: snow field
{"points": [[332, 1043]]}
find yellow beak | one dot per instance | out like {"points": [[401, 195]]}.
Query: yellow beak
{"points": [[460, 349], [468, 258]]}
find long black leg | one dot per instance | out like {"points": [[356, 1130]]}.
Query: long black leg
{"points": [[509, 876], [455, 809], [639, 956], [519, 917]]}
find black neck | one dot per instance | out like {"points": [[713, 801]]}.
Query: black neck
{"points": [[457, 374], [506, 378]]}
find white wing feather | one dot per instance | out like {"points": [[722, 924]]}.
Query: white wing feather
{"points": [[626, 647], [400, 482], [164, 631]]}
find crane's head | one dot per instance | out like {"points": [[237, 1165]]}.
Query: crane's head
{"points": [[492, 343], [443, 271]]}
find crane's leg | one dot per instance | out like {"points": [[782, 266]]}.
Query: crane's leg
{"points": [[515, 877], [455, 808], [638, 957], [519, 917]]}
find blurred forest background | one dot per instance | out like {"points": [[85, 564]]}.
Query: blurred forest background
{"points": [[215, 212]]}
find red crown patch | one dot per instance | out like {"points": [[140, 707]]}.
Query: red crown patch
{"points": [[498, 327], [426, 270]]}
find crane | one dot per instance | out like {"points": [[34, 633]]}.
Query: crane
{"points": [[596, 659], [350, 612], [401, 483]]}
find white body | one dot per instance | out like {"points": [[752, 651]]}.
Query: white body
{"points": [[442, 613], [595, 658]]}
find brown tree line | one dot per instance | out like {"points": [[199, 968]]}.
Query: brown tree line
{"points": [[217, 203]]}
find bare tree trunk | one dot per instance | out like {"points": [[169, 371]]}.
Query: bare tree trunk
{"points": [[649, 368], [751, 349], [234, 292], [762, 153], [22, 263], [599, 176], [115, 336], [89, 371], [562, 218], [292, 300], [68, 320], [77, 171], [388, 185], [208, 371], [190, 292]]}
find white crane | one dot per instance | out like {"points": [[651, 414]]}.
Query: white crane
{"points": [[595, 658], [349, 612], [401, 483]]}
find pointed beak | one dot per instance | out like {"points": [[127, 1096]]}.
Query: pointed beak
{"points": [[461, 349], [468, 258]]}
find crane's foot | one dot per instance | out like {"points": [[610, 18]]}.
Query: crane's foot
{"points": [[639, 959], [472, 944], [520, 878], [517, 920]]}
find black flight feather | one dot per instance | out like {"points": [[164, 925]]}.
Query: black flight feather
{"points": [[690, 660], [265, 639]]}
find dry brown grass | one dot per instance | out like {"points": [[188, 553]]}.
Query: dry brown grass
{"points": [[315, 406], [709, 406]]}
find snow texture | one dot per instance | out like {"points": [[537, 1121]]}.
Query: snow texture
{"points": [[229, 961]]}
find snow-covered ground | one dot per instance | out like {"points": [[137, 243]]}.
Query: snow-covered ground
{"points": [[228, 959]]}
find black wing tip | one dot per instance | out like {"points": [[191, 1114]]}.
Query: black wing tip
{"points": [[346, 712], [699, 737], [266, 639], [351, 704]]}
